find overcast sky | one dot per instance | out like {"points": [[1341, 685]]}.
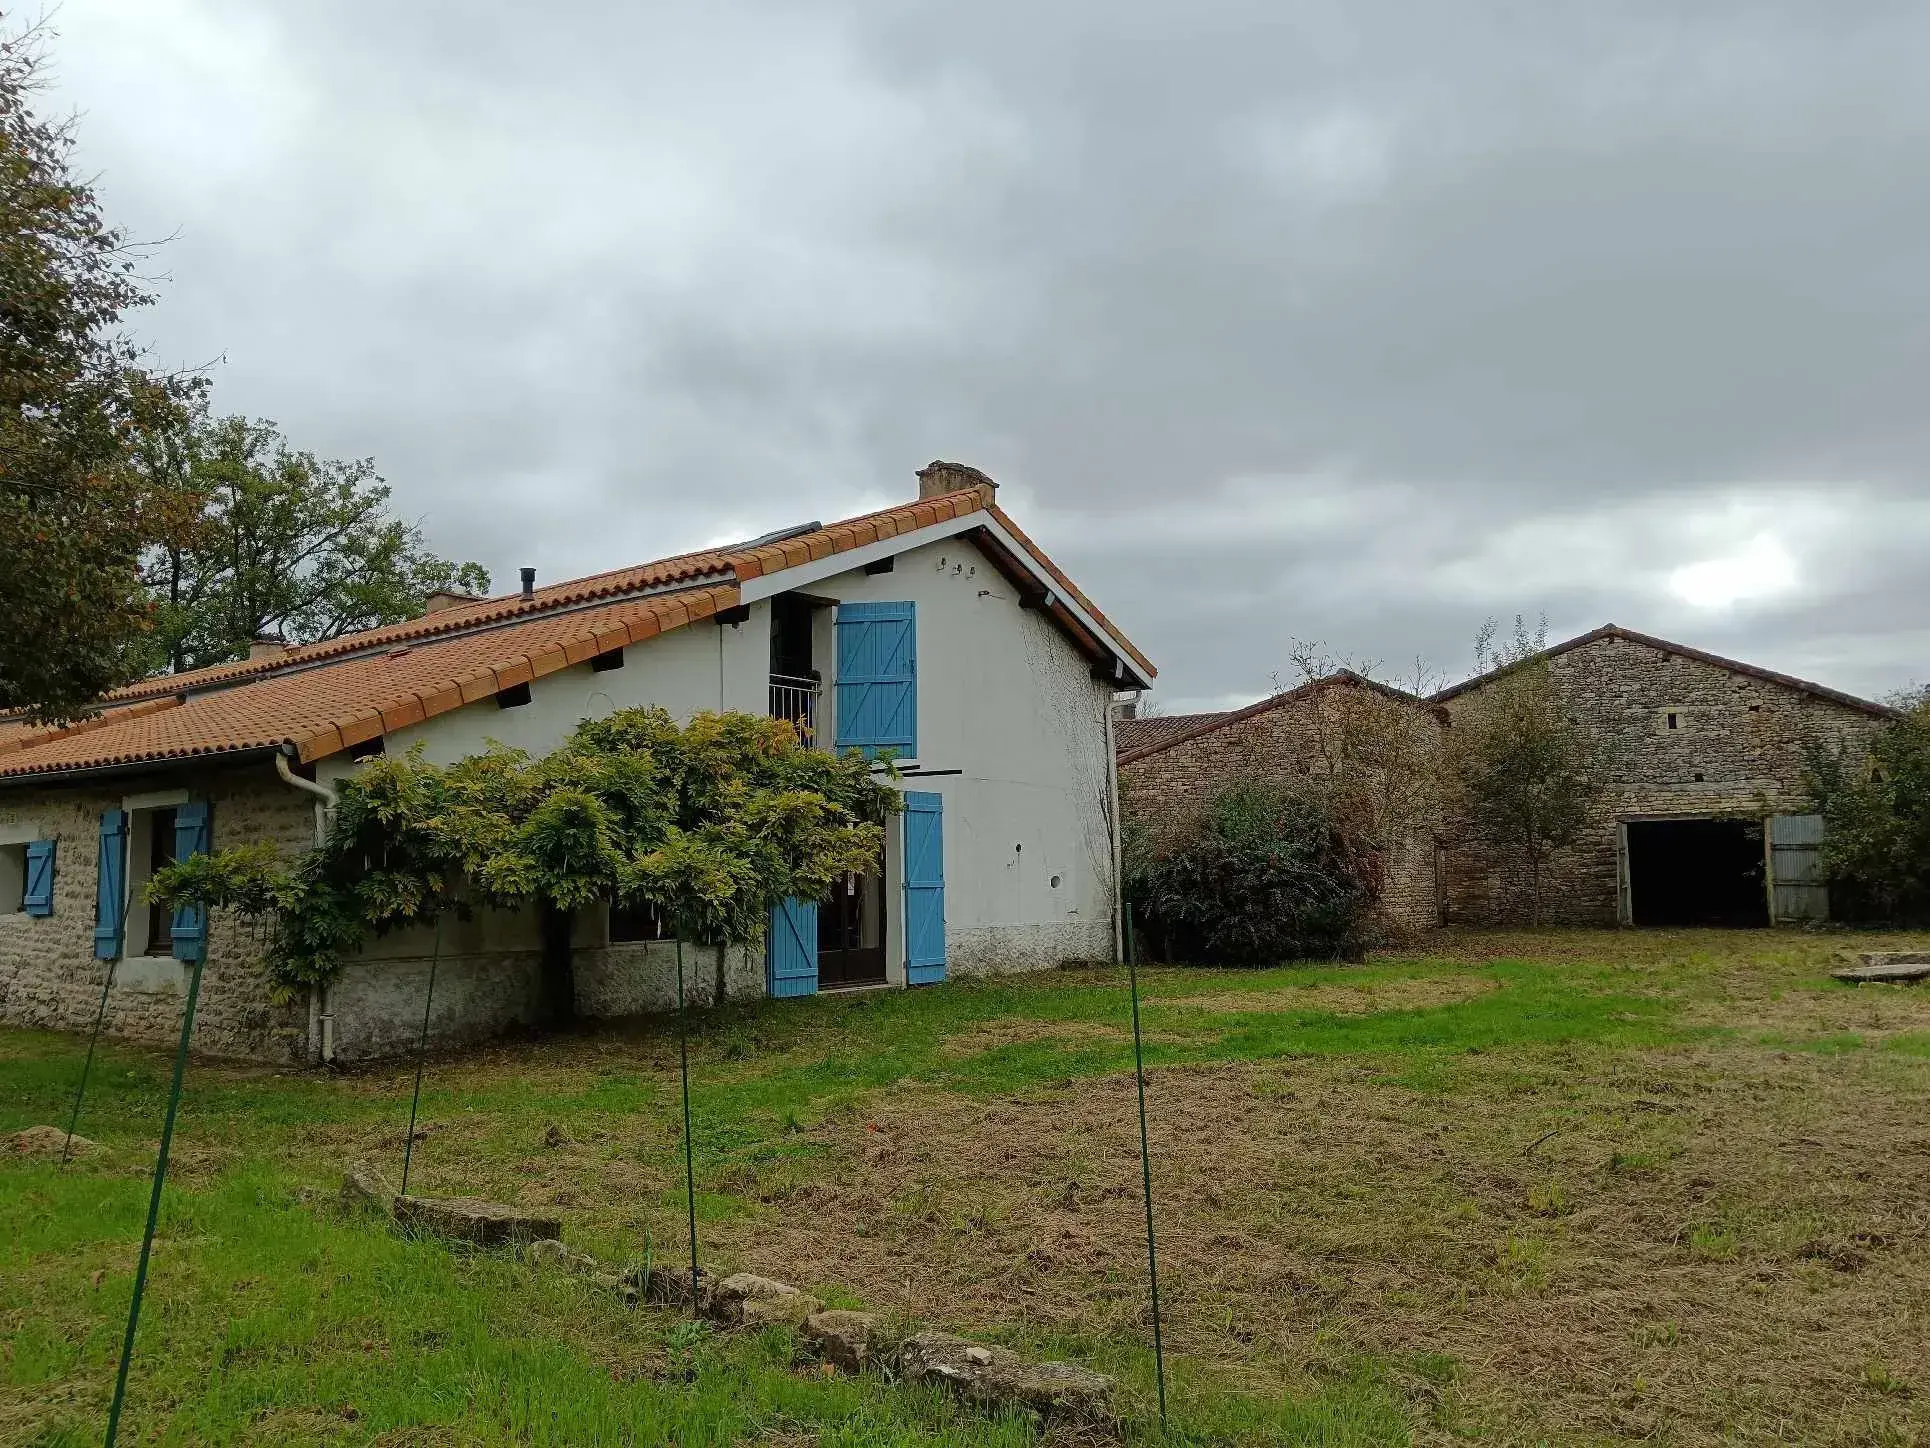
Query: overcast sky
{"points": [[1354, 322]]}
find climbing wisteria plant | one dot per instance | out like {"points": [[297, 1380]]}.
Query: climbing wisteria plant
{"points": [[711, 823]]}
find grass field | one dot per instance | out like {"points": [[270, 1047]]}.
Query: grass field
{"points": [[1533, 1188]]}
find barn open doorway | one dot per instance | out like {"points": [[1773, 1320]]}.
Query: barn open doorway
{"points": [[1697, 872]]}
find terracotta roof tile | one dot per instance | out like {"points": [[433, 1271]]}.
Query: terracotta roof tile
{"points": [[322, 698]]}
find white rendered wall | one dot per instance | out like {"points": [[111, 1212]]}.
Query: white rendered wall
{"points": [[1005, 699], [704, 665]]}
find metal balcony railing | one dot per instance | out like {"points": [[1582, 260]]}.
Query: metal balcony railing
{"points": [[796, 699]]}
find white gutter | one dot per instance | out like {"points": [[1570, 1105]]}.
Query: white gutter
{"points": [[321, 1020]]}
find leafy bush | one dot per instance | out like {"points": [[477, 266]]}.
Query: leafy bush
{"points": [[1876, 813], [1264, 874], [711, 823]]}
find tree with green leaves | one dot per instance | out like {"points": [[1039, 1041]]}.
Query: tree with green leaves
{"points": [[1875, 803], [285, 544], [1528, 774], [712, 823], [76, 514]]}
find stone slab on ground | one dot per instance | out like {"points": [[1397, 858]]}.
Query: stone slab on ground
{"points": [[850, 1340], [47, 1141], [467, 1219], [365, 1190], [996, 1376], [1892, 966], [744, 1299]]}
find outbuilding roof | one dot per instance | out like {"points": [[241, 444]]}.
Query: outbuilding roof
{"points": [[1131, 746], [1629, 635], [318, 699]]}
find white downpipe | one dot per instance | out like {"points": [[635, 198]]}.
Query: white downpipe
{"points": [[1118, 838], [321, 1020]]}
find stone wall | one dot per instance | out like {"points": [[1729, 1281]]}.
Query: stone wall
{"points": [[49, 976], [1736, 751], [1291, 742]]}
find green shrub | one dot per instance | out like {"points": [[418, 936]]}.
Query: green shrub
{"points": [[1876, 812], [1263, 875]]}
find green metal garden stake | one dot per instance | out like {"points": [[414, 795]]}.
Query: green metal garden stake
{"points": [[87, 1067], [154, 1206], [421, 1053], [1146, 1170], [690, 1166]]}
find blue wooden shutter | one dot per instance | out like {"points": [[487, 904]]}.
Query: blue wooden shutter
{"points": [[38, 898], [791, 949], [877, 684], [110, 893], [924, 887], [192, 824]]}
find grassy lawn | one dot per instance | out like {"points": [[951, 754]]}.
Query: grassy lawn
{"points": [[1529, 1188]]}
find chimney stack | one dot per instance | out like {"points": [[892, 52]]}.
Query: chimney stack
{"points": [[445, 598], [266, 646], [938, 478], [529, 583]]}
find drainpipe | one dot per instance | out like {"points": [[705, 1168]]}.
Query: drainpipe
{"points": [[1118, 839], [321, 1020]]}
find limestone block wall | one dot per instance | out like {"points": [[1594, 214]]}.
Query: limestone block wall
{"points": [[48, 974], [1288, 743], [1735, 751]]}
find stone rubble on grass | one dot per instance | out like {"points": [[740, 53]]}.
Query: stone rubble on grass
{"points": [[746, 1300], [1895, 966], [467, 1219], [552, 1253], [47, 1141], [997, 1375], [365, 1190], [850, 1340]]}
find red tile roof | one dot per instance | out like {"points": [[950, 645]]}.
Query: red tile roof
{"points": [[322, 698], [1149, 733]]}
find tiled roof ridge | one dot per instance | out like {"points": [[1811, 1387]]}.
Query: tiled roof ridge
{"points": [[1629, 635], [741, 560], [31, 738]]}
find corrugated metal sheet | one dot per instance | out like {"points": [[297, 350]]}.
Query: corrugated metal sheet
{"points": [[1797, 881]]}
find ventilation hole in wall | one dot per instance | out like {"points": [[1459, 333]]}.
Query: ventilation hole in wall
{"points": [[1674, 722], [1698, 777], [1755, 708], [1016, 849], [1055, 882], [514, 697]]}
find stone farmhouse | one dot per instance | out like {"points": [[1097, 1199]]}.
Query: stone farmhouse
{"points": [[1702, 823], [935, 631]]}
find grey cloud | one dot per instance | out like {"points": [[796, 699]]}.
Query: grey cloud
{"points": [[1343, 321]]}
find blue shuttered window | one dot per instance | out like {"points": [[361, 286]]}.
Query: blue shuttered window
{"points": [[38, 897], [877, 683], [924, 887], [791, 949], [193, 825], [111, 891]]}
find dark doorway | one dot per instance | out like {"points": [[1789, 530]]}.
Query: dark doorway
{"points": [[851, 934], [1697, 872]]}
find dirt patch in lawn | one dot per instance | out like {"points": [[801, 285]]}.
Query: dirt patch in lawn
{"points": [[1365, 999], [1699, 1244], [991, 1035]]}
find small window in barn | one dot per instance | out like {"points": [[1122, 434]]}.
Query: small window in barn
{"points": [[1698, 776], [514, 697], [632, 923], [1755, 708], [1876, 773], [1674, 721]]}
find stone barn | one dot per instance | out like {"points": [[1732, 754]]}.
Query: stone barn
{"points": [[1344, 724], [1704, 822]]}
